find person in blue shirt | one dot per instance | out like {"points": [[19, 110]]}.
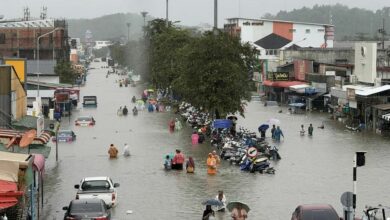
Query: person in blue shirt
{"points": [[167, 163], [278, 132]]}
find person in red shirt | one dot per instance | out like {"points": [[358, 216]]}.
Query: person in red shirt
{"points": [[178, 161]]}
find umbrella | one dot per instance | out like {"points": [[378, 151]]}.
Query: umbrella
{"points": [[213, 202], [140, 102], [273, 121], [263, 127], [239, 205]]}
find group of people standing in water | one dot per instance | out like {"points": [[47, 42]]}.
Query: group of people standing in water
{"points": [[177, 162]]}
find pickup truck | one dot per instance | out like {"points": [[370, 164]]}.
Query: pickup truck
{"points": [[98, 187]]}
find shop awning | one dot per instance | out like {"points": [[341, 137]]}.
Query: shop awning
{"points": [[386, 117], [7, 194], [299, 87], [373, 91], [383, 107], [282, 84]]}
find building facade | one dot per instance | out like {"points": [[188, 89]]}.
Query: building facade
{"points": [[19, 39], [271, 36], [13, 97]]}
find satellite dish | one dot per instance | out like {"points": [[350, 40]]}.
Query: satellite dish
{"points": [[27, 138]]}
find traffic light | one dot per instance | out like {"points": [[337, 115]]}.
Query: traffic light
{"points": [[360, 158]]}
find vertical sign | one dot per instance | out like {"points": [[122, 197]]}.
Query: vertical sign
{"points": [[40, 125]]}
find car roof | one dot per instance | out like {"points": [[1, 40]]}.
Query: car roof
{"points": [[65, 131], [96, 178], [85, 116], [315, 206], [86, 201]]}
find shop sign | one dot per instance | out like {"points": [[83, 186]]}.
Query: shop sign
{"points": [[278, 76], [351, 94]]}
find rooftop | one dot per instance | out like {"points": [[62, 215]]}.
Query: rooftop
{"points": [[282, 21], [46, 23]]}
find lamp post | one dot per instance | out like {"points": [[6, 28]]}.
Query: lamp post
{"points": [[215, 14], [166, 19], [39, 37], [128, 31], [144, 13]]}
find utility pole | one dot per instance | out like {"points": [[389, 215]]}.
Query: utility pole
{"points": [[215, 14], [128, 31], [144, 13], [166, 17], [383, 34]]}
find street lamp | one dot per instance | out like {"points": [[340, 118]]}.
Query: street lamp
{"points": [[144, 13], [166, 19], [128, 31], [39, 37]]}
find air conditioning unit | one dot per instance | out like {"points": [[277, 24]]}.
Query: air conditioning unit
{"points": [[353, 79], [378, 82]]}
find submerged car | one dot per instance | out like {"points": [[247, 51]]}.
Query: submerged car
{"points": [[92, 209], [65, 136], [85, 121], [315, 212], [89, 101]]}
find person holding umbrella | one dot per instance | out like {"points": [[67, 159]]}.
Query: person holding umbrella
{"points": [[262, 129], [208, 213]]}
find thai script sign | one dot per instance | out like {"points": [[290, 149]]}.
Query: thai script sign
{"points": [[278, 76]]}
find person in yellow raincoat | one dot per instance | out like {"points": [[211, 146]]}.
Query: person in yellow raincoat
{"points": [[113, 151], [211, 165]]}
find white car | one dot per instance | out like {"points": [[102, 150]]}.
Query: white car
{"points": [[85, 121], [98, 187]]}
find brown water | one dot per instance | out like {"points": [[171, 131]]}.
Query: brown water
{"points": [[314, 169]]}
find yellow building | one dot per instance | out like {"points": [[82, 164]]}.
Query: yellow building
{"points": [[13, 96]]}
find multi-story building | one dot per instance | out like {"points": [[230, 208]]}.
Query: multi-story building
{"points": [[99, 44], [19, 39], [271, 36]]}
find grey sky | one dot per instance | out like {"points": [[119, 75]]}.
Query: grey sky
{"points": [[189, 12]]}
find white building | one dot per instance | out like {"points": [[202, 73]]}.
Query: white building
{"points": [[271, 36], [101, 44]]}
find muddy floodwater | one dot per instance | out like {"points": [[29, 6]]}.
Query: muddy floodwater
{"points": [[314, 169]]}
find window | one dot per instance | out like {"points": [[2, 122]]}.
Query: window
{"points": [[246, 23], [321, 30], [2, 38], [257, 23], [292, 30], [307, 31]]}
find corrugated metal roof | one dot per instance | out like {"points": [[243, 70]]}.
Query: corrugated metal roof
{"points": [[45, 23], [372, 91]]}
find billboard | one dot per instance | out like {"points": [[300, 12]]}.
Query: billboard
{"points": [[351, 94], [20, 66], [301, 68], [62, 97]]}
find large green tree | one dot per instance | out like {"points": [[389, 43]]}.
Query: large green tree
{"points": [[65, 71], [214, 73]]}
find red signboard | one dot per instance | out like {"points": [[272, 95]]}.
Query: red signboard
{"points": [[301, 68], [62, 97]]}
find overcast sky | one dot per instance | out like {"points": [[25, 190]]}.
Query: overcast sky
{"points": [[189, 12]]}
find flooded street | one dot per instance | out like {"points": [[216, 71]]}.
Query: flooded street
{"points": [[314, 169]]}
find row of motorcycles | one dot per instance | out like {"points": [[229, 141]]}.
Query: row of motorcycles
{"points": [[233, 145]]}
